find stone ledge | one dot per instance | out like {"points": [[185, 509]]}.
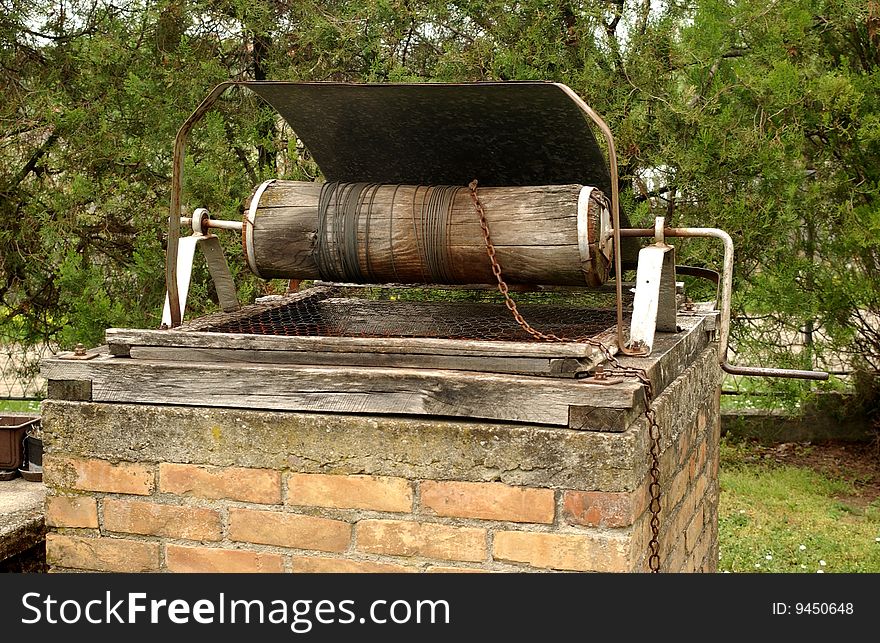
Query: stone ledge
{"points": [[415, 448], [22, 524]]}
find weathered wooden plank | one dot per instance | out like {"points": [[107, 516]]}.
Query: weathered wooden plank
{"points": [[381, 345], [568, 367], [577, 404], [671, 355], [340, 389], [672, 352], [603, 419]]}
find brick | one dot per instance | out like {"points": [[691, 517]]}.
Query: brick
{"points": [[377, 493], [698, 463], [711, 497], [710, 559], [710, 504], [673, 525], [63, 511], [288, 530], [324, 565], [262, 486], [431, 540], [98, 475], [101, 554], [599, 508], [700, 552], [684, 446], [641, 536], [694, 530], [688, 509], [673, 562], [673, 492], [488, 501], [715, 429], [669, 463], [702, 419], [153, 519], [216, 560], [693, 465], [574, 552], [700, 486]]}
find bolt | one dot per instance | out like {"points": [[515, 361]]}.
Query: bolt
{"points": [[79, 350], [689, 304], [599, 373]]}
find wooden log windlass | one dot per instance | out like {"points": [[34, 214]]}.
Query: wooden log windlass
{"points": [[375, 233]]}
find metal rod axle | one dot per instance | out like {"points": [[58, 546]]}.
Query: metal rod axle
{"points": [[220, 224]]}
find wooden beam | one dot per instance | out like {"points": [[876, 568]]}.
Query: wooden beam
{"points": [[241, 377], [534, 229], [568, 367], [341, 389], [384, 345]]}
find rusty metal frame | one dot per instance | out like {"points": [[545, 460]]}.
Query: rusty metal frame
{"points": [[176, 188], [615, 211], [217, 91]]}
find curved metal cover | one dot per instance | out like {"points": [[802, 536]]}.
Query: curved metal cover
{"points": [[502, 134]]}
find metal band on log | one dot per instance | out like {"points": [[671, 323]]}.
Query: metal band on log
{"points": [[373, 233]]}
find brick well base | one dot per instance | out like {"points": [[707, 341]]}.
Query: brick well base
{"points": [[141, 488]]}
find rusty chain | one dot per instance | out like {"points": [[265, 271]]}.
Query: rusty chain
{"points": [[616, 369]]}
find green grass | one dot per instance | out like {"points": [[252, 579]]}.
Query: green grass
{"points": [[20, 406], [782, 518]]}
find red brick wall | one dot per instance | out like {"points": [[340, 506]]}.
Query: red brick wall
{"points": [[203, 518]]}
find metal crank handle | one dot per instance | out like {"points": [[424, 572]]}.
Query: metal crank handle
{"points": [[773, 372], [726, 288]]}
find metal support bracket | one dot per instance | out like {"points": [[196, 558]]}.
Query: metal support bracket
{"points": [[654, 304], [217, 266]]}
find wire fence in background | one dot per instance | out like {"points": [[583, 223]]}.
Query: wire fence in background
{"points": [[20, 369]]}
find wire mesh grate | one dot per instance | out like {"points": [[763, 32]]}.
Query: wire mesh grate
{"points": [[425, 312]]}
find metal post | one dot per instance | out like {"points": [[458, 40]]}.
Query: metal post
{"points": [[615, 211], [176, 187]]}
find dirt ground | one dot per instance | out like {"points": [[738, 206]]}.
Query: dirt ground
{"points": [[855, 462]]}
